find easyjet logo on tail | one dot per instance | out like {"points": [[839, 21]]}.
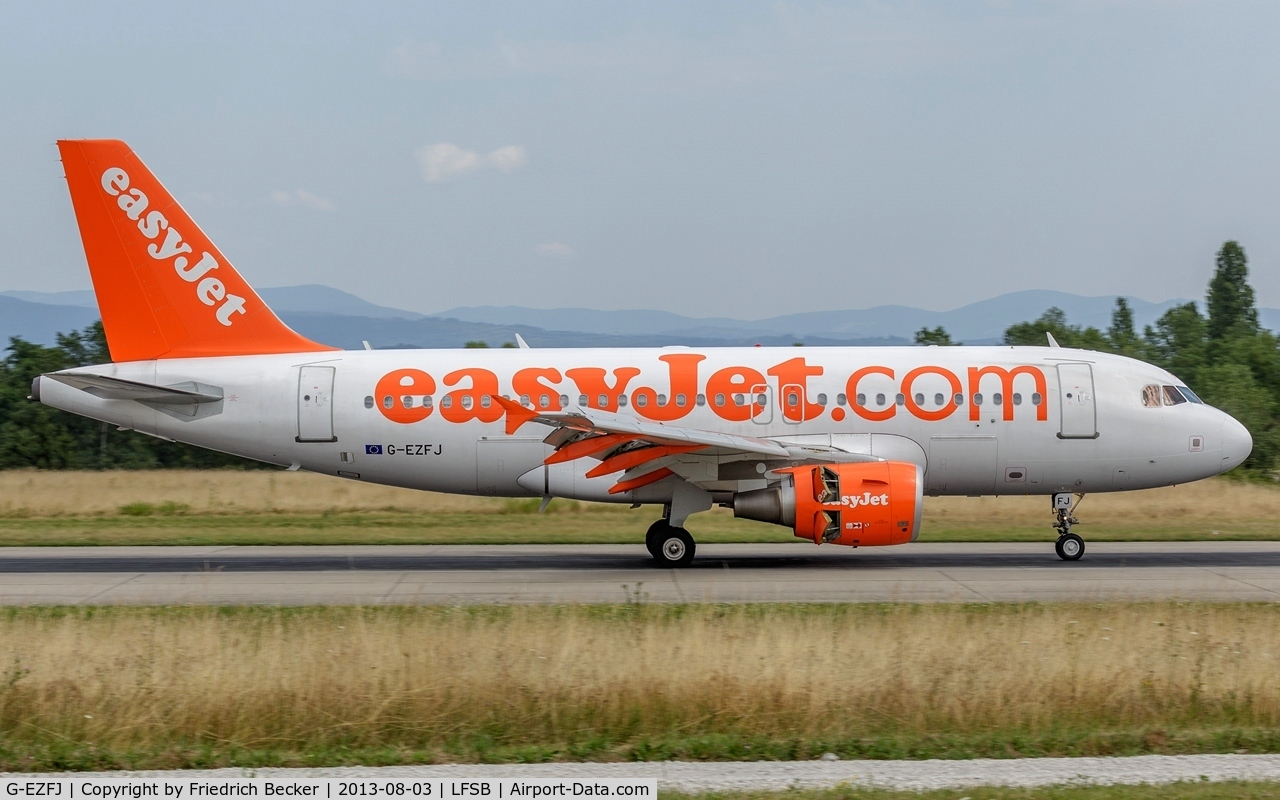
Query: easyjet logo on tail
{"points": [[209, 289]]}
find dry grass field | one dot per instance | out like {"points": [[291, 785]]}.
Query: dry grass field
{"points": [[157, 687], [260, 507]]}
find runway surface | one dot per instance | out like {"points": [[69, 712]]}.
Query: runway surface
{"points": [[451, 574]]}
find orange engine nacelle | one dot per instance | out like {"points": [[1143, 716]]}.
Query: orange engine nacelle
{"points": [[863, 504]]}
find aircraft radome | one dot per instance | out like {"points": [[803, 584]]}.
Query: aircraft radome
{"points": [[840, 444]]}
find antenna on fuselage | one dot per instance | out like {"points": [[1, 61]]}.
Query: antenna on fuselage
{"points": [[523, 344], [1052, 341]]}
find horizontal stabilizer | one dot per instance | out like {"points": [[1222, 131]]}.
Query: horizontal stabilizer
{"points": [[188, 393]]}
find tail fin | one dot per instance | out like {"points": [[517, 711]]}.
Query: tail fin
{"points": [[163, 289]]}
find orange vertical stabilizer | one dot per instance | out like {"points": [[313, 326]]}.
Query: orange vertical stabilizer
{"points": [[163, 288]]}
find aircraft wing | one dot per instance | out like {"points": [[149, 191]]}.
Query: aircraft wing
{"points": [[649, 451]]}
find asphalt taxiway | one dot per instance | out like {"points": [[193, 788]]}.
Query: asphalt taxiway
{"points": [[453, 574]]}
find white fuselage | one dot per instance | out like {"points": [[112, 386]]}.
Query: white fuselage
{"points": [[334, 419]]}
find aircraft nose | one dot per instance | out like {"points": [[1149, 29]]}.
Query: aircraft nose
{"points": [[1236, 443]]}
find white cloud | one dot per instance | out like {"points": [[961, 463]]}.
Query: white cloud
{"points": [[508, 158], [556, 249], [443, 161], [303, 198]]}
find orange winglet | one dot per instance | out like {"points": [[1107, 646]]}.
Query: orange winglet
{"points": [[643, 480], [517, 414], [586, 447], [634, 458]]}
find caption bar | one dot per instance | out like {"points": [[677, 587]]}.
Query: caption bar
{"points": [[193, 789]]}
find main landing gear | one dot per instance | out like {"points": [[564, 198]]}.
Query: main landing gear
{"points": [[1069, 546], [669, 545]]}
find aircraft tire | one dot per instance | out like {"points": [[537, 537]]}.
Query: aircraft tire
{"points": [[651, 536], [674, 547], [1069, 547]]}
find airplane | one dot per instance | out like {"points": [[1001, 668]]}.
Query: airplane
{"points": [[838, 444]]}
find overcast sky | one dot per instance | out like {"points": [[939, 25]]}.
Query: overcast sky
{"points": [[733, 158]]}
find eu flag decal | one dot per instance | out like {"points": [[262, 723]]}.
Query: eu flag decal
{"points": [[373, 449]]}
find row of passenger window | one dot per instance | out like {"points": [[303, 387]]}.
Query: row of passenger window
{"points": [[792, 400]]}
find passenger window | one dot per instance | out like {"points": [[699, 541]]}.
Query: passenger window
{"points": [[602, 401], [700, 400], [879, 399], [642, 401], [1151, 396], [446, 402], [680, 400], [1173, 397], [368, 402], [426, 401], [582, 399], [719, 399], [524, 399], [485, 401], [959, 399], [997, 398], [900, 400], [662, 400], [466, 401], [622, 400], [407, 401], [861, 399], [1036, 399], [545, 401], [938, 399], [841, 399], [739, 400], [822, 399], [793, 399], [977, 399], [564, 400], [762, 399], [388, 401], [1017, 399]]}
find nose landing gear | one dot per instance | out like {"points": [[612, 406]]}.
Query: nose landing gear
{"points": [[1069, 546]]}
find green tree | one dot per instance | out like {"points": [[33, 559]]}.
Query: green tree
{"points": [[938, 336], [1177, 342], [476, 345], [1054, 321], [1121, 336], [1230, 298]]}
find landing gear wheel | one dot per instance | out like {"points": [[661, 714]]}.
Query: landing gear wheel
{"points": [[1069, 547], [674, 547], [655, 532]]}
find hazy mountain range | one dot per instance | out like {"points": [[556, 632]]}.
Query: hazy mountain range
{"points": [[341, 319]]}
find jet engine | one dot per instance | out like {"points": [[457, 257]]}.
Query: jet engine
{"points": [[863, 504]]}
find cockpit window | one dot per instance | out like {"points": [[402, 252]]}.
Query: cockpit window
{"points": [[1190, 395], [1151, 396], [1172, 396]]}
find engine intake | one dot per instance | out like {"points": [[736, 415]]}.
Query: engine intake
{"points": [[864, 504]]}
